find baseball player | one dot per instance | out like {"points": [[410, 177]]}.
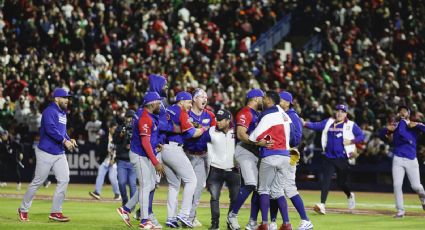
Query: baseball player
{"points": [[50, 154], [221, 150], [404, 137], [158, 83], [339, 136], [246, 157], [196, 148], [291, 190], [273, 127], [143, 145], [177, 166]]}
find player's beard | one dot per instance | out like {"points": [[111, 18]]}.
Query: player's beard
{"points": [[63, 105]]}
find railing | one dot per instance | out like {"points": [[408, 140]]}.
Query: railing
{"points": [[273, 36]]}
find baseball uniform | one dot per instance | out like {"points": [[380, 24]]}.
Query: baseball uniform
{"points": [[50, 155], [405, 162], [177, 165], [196, 150]]}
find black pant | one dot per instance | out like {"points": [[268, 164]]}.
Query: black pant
{"points": [[341, 166], [215, 181]]}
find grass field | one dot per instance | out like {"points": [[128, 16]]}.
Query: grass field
{"points": [[373, 211]]}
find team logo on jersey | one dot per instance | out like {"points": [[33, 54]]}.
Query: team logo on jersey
{"points": [[62, 119], [242, 119], [347, 127], [205, 121], [145, 128]]}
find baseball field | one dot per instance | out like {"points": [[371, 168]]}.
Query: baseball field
{"points": [[373, 210]]}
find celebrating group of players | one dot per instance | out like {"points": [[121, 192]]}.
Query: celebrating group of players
{"points": [[187, 143]]}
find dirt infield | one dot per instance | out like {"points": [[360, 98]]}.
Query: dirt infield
{"points": [[369, 212]]}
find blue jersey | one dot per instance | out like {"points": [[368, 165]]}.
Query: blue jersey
{"points": [[248, 118], [53, 130], [335, 145], [179, 120], [144, 124], [296, 128], [405, 139], [156, 84], [206, 120]]}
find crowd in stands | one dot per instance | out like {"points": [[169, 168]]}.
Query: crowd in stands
{"points": [[372, 59]]}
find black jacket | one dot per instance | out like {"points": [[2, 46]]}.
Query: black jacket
{"points": [[121, 139]]}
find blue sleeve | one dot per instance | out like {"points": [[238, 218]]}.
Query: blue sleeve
{"points": [[402, 131], [420, 127], [67, 137], [50, 126], [163, 121], [296, 130], [292, 136], [316, 126], [189, 133], [358, 133], [383, 134]]}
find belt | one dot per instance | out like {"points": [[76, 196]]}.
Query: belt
{"points": [[198, 153], [169, 142]]}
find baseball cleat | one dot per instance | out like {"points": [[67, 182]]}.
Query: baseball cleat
{"points": [[172, 223], [422, 199], [155, 221], [399, 214], [273, 225], [263, 227], [185, 221], [305, 225], [320, 208], [196, 223], [125, 216], [23, 216], [147, 225], [285, 227], [95, 195], [232, 222], [58, 217], [251, 225]]}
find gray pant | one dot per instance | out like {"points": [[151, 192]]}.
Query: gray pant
{"points": [[274, 175], [248, 164], [201, 166], [177, 169], [59, 166], [145, 173], [403, 166]]}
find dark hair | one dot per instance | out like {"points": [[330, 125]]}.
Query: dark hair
{"points": [[274, 96], [403, 107]]}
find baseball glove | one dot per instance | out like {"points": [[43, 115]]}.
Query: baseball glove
{"points": [[294, 155]]}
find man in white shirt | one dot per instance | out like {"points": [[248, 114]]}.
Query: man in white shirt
{"points": [[93, 126], [221, 150]]}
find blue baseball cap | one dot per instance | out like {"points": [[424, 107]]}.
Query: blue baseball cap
{"points": [[341, 107], [287, 96], [151, 97], [255, 93], [183, 96], [60, 92]]}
